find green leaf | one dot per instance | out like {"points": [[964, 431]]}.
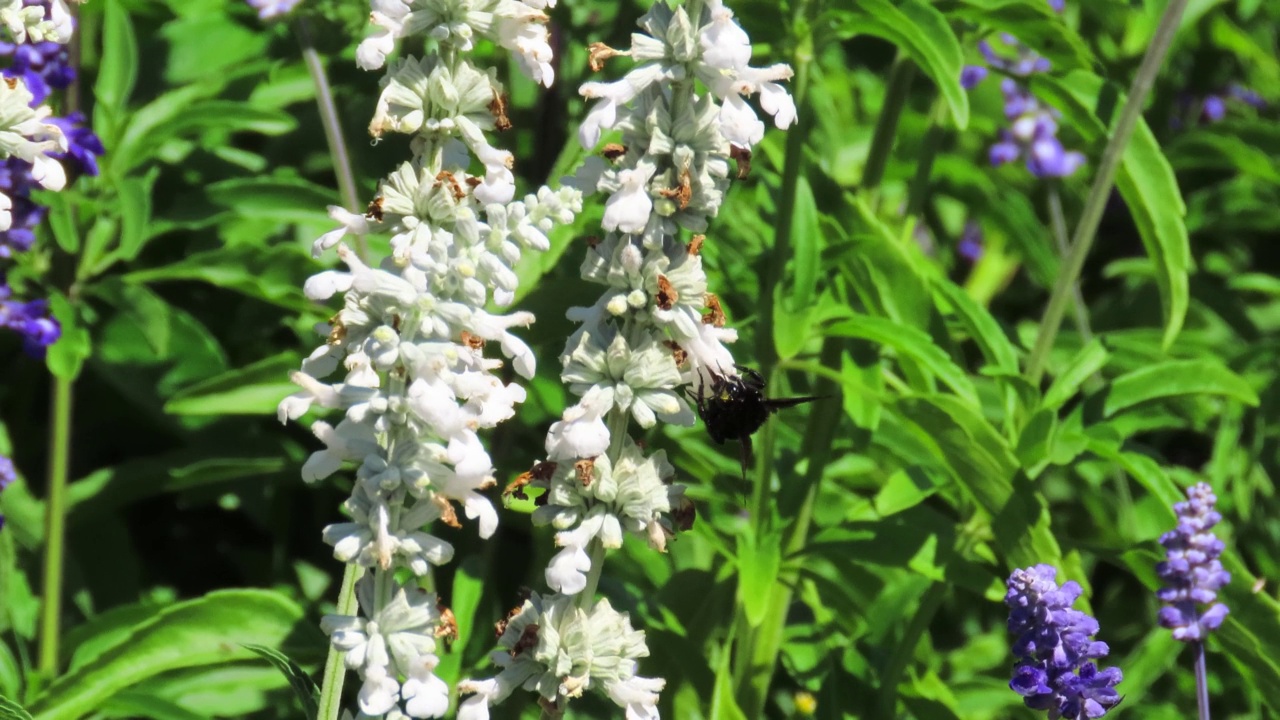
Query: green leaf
{"points": [[274, 198], [205, 631], [759, 558], [1088, 361], [964, 443], [252, 390], [904, 490], [980, 324], [1145, 181], [118, 70], [912, 346], [468, 589], [67, 355], [1035, 442], [1176, 378], [806, 239], [10, 710], [306, 690], [129, 705], [723, 704], [63, 223], [922, 32], [266, 273]]}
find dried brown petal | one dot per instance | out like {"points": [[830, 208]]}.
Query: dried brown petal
{"points": [[715, 313], [667, 295]]}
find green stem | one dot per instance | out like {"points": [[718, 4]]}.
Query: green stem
{"points": [[895, 100], [1091, 216], [1058, 222], [918, 190], [772, 271], [332, 126], [334, 671], [55, 527]]}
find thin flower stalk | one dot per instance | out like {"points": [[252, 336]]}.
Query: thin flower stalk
{"points": [[672, 129], [411, 351]]}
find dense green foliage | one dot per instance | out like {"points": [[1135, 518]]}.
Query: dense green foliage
{"points": [[870, 560]]}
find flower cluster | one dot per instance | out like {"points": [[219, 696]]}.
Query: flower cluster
{"points": [[1191, 572], [680, 116], [1055, 648], [38, 150], [1213, 107], [1033, 127], [411, 350], [557, 649], [517, 25]]}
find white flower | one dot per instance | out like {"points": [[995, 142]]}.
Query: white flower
{"points": [[628, 209], [638, 696], [580, 432], [517, 26], [27, 23], [25, 134], [6, 214]]}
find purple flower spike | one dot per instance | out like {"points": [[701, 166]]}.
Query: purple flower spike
{"points": [[1246, 96], [1055, 649], [970, 245], [1191, 571]]}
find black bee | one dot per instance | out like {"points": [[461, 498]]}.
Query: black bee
{"points": [[733, 407]]}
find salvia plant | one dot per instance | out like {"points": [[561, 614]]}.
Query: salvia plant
{"points": [[892, 359]]}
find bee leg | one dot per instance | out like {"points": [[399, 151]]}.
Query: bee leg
{"points": [[747, 455]]}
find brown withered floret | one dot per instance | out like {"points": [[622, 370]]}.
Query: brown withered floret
{"points": [[395, 323], [500, 627], [743, 156], [374, 211], [598, 53], [447, 627], [473, 181], [444, 176], [679, 354], [584, 470], [448, 515], [475, 342], [681, 193], [714, 314], [683, 514], [592, 241], [667, 295], [695, 244], [528, 640], [613, 151], [498, 107], [337, 331]]}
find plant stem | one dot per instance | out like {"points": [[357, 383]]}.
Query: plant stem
{"points": [[895, 99], [1091, 216], [1058, 223], [55, 526], [334, 671], [1202, 683], [918, 190], [332, 126]]}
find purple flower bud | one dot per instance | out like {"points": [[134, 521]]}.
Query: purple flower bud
{"points": [[1213, 109], [1055, 648], [1246, 96], [270, 9], [1191, 570], [970, 245], [971, 75], [7, 475]]}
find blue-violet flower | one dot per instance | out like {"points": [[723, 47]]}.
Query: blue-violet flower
{"points": [[1191, 571], [1055, 648]]}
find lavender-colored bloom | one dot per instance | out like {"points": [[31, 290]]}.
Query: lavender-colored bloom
{"points": [[970, 245], [83, 146], [1246, 96], [270, 9], [43, 67], [1191, 572], [1033, 133], [30, 319], [1055, 648], [1024, 60], [1213, 109], [971, 75], [7, 475]]}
